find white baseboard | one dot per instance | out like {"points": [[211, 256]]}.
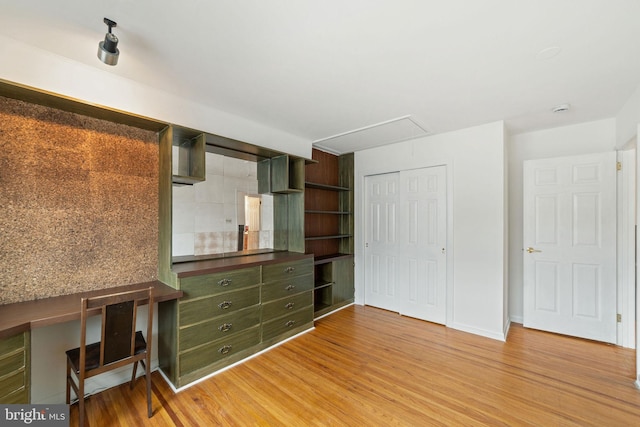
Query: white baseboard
{"points": [[500, 336], [517, 319]]}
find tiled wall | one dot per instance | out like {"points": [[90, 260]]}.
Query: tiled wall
{"points": [[207, 215], [78, 203]]}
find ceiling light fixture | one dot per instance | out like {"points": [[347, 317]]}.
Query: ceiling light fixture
{"points": [[561, 108], [108, 49]]}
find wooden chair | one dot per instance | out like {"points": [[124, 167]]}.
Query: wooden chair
{"points": [[120, 343]]}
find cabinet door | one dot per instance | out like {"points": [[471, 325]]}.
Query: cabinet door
{"points": [[343, 282]]}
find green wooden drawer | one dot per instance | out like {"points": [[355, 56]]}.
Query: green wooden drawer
{"points": [[11, 363], [218, 350], [217, 305], [11, 383], [290, 286], [284, 324], [219, 327], [286, 270], [212, 284], [7, 345], [286, 305], [20, 396]]}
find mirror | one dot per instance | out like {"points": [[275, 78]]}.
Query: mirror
{"points": [[223, 214]]}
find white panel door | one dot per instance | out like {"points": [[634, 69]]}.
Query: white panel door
{"points": [[570, 245], [381, 247], [422, 244]]}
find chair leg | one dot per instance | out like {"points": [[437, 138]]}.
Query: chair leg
{"points": [[133, 375], [81, 401], [68, 394], [147, 374]]}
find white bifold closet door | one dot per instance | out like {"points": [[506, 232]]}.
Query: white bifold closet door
{"points": [[405, 242]]}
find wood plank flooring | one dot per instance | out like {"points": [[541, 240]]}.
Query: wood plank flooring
{"points": [[364, 366]]}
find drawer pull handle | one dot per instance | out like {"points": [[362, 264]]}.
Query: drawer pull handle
{"points": [[289, 269], [225, 304], [290, 287], [224, 349], [290, 323], [224, 282], [289, 305], [225, 327]]}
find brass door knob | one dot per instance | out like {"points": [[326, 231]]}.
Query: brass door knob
{"points": [[531, 250]]}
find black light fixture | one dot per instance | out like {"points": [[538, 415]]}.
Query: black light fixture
{"points": [[108, 49]]}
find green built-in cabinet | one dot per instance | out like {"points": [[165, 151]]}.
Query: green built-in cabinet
{"points": [[329, 225], [229, 315], [14, 368]]}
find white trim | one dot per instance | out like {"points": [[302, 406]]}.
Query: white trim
{"points": [[626, 248], [482, 332], [206, 377], [516, 319], [334, 311]]}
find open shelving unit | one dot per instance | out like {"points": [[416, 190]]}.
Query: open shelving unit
{"points": [[329, 228]]}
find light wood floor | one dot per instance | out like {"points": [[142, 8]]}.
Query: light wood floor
{"points": [[366, 367]]}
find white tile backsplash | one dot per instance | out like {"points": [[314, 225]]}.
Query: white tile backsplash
{"points": [[183, 244], [211, 190], [214, 164]]}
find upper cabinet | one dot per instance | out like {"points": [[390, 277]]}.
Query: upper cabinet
{"points": [[282, 174], [188, 164]]}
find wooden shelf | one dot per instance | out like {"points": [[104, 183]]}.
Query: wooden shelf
{"points": [[322, 284], [319, 186], [336, 236], [320, 212], [330, 258], [329, 227]]}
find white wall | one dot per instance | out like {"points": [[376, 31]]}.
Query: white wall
{"points": [[27, 65], [49, 363], [592, 137], [627, 121], [476, 253]]}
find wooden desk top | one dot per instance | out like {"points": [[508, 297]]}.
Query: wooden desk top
{"points": [[196, 267], [24, 316]]}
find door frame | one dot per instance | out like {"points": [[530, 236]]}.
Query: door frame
{"points": [[626, 283], [359, 237]]}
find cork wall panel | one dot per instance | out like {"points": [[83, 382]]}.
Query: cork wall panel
{"points": [[78, 203]]}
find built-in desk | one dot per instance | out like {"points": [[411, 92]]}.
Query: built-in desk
{"points": [[18, 319]]}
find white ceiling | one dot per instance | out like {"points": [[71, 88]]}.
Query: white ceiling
{"points": [[321, 69]]}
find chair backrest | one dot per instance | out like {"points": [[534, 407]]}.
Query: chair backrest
{"points": [[118, 326]]}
